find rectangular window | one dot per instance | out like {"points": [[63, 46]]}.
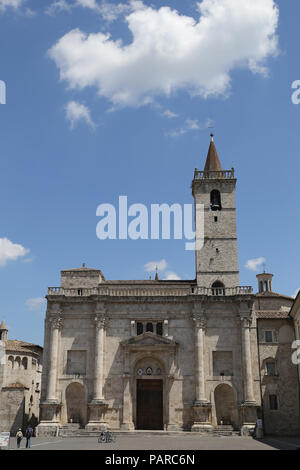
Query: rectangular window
{"points": [[270, 368], [273, 402], [269, 336]]}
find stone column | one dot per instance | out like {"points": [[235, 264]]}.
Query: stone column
{"points": [[202, 407], [166, 328], [173, 396], [200, 324], [247, 367], [99, 358], [127, 423], [249, 406], [98, 405], [51, 407], [132, 328], [56, 324]]}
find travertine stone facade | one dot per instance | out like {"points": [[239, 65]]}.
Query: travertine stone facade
{"points": [[20, 383], [171, 354]]}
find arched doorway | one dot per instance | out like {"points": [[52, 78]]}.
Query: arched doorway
{"points": [[76, 404], [225, 404]]}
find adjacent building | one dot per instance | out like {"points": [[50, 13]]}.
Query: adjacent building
{"points": [[20, 382]]}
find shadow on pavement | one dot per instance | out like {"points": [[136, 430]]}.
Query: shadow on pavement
{"points": [[281, 443]]}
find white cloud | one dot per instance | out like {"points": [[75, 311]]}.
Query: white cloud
{"points": [[171, 276], [189, 125], [76, 112], [254, 264], [58, 6], [169, 114], [171, 52], [10, 251], [36, 304], [152, 265], [15, 4], [108, 11]]}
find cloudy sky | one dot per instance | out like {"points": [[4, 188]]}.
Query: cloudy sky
{"points": [[106, 99]]}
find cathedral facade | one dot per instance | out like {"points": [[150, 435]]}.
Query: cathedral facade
{"points": [[192, 355]]}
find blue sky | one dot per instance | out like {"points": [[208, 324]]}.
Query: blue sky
{"points": [[88, 118]]}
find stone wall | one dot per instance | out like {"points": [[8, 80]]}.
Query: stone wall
{"points": [[284, 384], [12, 409]]}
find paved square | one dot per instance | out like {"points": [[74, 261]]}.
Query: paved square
{"points": [[183, 442]]}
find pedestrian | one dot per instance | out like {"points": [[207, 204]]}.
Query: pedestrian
{"points": [[19, 437], [28, 435]]}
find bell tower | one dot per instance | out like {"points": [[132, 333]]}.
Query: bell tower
{"points": [[217, 261]]}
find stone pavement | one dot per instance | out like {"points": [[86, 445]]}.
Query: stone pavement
{"points": [[183, 442]]}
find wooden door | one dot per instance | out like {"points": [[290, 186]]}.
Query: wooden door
{"points": [[149, 404]]}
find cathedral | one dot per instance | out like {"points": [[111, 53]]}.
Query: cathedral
{"points": [[193, 355]]}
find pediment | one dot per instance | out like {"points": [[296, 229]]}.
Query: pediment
{"points": [[149, 339]]}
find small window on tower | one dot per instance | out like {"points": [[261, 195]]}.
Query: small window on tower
{"points": [[215, 200], [218, 288], [216, 219], [261, 286]]}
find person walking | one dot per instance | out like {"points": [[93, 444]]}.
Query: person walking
{"points": [[19, 437], [28, 435]]}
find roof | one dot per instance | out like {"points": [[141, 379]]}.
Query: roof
{"points": [[212, 160], [273, 314], [21, 346], [273, 294], [3, 326], [151, 282], [81, 269], [15, 385]]}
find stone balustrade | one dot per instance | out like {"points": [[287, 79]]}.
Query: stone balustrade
{"points": [[116, 291], [226, 174]]}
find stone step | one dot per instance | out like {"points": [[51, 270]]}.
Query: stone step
{"points": [[224, 427], [64, 432]]}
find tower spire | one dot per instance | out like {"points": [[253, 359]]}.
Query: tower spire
{"points": [[212, 160], [3, 331]]}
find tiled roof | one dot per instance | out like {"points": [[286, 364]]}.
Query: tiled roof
{"points": [[151, 281], [15, 385], [21, 346], [272, 314], [272, 294]]}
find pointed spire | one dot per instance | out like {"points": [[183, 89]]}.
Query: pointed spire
{"points": [[156, 274], [3, 331], [212, 161]]}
